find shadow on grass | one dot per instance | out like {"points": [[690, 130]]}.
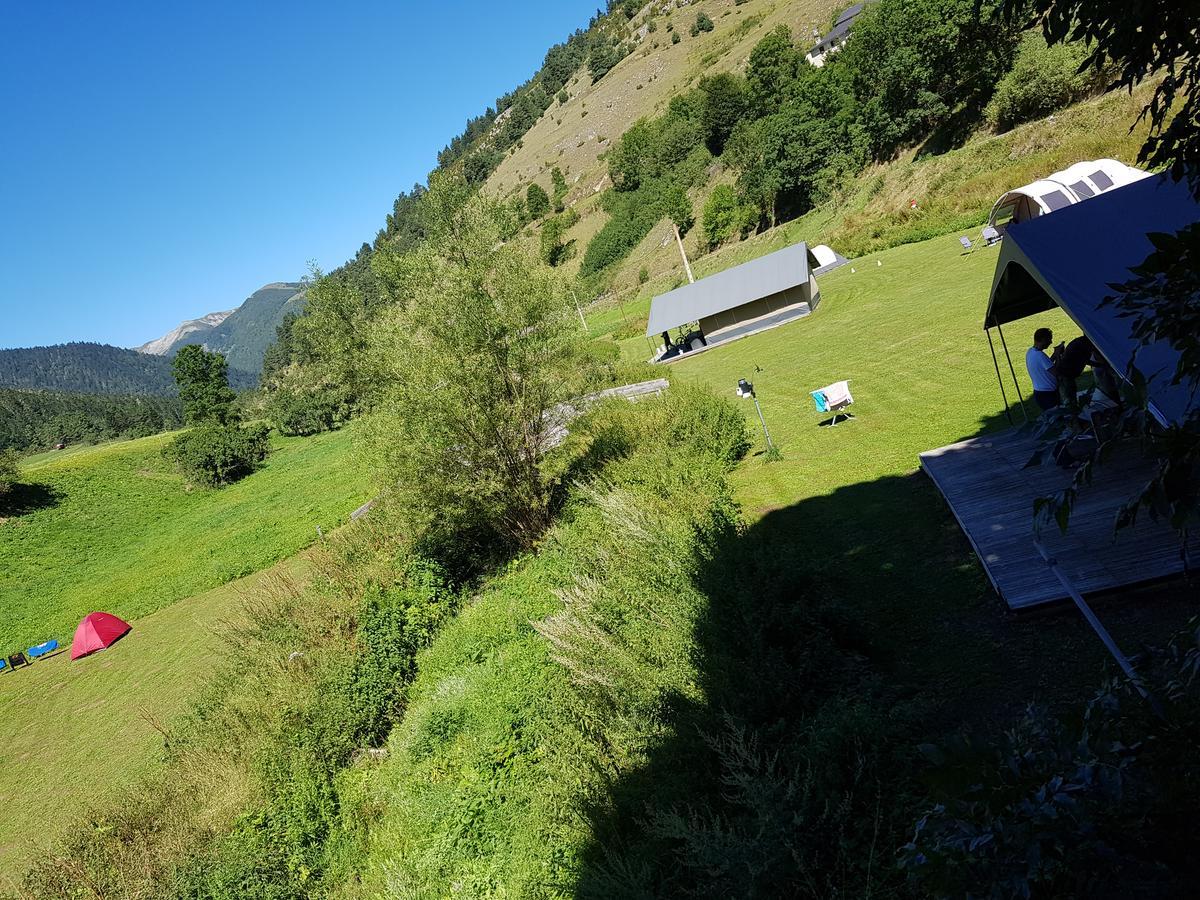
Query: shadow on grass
{"points": [[841, 633], [27, 498]]}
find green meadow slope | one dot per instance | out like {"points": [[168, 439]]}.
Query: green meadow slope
{"points": [[488, 783], [115, 528]]}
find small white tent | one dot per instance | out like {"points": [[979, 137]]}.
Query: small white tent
{"points": [[1080, 182]]}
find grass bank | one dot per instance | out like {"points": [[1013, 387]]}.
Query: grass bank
{"points": [[80, 735], [115, 528]]}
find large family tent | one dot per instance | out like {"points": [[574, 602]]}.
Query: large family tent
{"points": [[97, 631], [1073, 259], [1080, 182], [764, 292]]}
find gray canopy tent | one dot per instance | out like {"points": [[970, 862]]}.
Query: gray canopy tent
{"points": [[1073, 258], [732, 301]]}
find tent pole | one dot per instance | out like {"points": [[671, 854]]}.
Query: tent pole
{"points": [[999, 379], [1016, 384], [1101, 631]]}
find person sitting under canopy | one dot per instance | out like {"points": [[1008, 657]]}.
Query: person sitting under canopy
{"points": [[1043, 369]]}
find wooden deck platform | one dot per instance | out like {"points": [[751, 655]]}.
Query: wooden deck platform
{"points": [[991, 494]]}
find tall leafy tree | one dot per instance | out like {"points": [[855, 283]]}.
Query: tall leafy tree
{"points": [[774, 72], [10, 471], [203, 380], [476, 353], [724, 107], [914, 63], [537, 202]]}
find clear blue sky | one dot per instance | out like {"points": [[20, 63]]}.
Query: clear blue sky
{"points": [[159, 161]]}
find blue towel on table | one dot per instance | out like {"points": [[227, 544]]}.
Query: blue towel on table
{"points": [[822, 403]]}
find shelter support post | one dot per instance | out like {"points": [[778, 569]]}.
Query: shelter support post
{"points": [[1098, 627], [999, 378], [1016, 384]]}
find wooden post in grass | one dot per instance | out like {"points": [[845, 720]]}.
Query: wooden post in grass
{"points": [[582, 320], [686, 265]]}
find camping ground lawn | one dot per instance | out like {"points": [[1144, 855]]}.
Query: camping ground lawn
{"points": [[906, 329], [77, 733], [117, 530]]}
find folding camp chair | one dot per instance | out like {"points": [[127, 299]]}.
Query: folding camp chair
{"points": [[990, 235], [42, 649], [966, 244], [834, 398], [16, 660]]}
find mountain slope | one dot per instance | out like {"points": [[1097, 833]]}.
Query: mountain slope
{"points": [[192, 328], [243, 334], [85, 368]]}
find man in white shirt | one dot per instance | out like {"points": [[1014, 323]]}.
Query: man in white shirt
{"points": [[1041, 369]]}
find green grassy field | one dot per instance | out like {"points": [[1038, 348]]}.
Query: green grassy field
{"points": [[76, 734], [905, 327], [114, 528]]}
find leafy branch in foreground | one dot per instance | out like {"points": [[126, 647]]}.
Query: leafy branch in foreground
{"points": [[1139, 41]]}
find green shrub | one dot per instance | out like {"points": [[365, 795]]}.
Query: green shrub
{"points": [[726, 215], [1041, 80], [10, 471], [212, 455], [299, 413], [702, 23]]}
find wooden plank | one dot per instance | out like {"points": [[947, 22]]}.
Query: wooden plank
{"points": [[991, 494]]}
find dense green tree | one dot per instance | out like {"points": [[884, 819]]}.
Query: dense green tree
{"points": [[774, 72], [559, 181], [633, 160], [915, 63], [10, 471], [554, 250], [203, 380], [537, 202], [212, 454], [702, 23], [1042, 79], [678, 207], [723, 108], [605, 54], [476, 353], [725, 214]]}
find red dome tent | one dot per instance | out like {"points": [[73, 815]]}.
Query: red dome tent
{"points": [[97, 631]]}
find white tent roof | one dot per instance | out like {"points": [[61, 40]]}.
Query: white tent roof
{"points": [[1077, 183]]}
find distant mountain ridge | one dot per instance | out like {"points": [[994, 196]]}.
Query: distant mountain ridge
{"points": [[162, 346], [243, 334], [89, 368]]}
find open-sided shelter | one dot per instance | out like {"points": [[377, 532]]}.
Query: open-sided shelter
{"points": [[1072, 185], [757, 294], [1073, 259]]}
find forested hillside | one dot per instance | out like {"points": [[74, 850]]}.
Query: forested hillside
{"points": [[39, 420], [87, 368]]}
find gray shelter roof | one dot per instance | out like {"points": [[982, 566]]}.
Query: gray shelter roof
{"points": [[1072, 259], [841, 27], [762, 277]]}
